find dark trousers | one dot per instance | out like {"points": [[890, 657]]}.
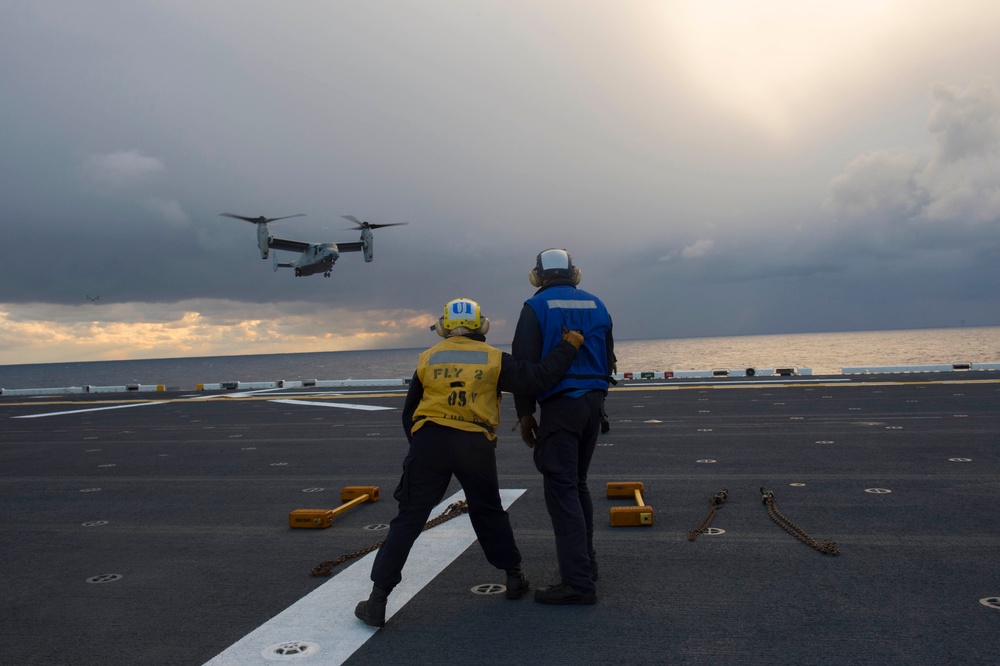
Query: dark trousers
{"points": [[567, 435], [436, 453]]}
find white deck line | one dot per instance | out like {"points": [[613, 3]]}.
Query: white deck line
{"points": [[341, 405], [90, 409], [324, 621]]}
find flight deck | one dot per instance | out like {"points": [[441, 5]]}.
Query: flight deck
{"points": [[153, 528]]}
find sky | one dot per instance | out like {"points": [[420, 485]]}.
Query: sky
{"points": [[715, 167]]}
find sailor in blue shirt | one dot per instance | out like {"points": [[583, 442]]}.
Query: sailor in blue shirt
{"points": [[570, 421]]}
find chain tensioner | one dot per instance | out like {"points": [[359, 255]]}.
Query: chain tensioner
{"points": [[715, 502], [825, 547]]}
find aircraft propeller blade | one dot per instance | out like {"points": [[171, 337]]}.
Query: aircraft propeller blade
{"points": [[362, 225], [261, 219]]}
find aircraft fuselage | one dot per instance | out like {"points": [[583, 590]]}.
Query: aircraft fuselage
{"points": [[318, 258]]}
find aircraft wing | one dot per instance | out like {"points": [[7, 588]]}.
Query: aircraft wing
{"points": [[355, 246], [290, 245]]}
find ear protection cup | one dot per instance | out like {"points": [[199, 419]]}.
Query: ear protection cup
{"points": [[439, 327], [484, 329], [576, 275]]}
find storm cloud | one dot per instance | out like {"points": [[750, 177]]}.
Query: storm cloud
{"points": [[779, 170]]}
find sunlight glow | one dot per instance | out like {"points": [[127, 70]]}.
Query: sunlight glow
{"points": [[768, 61], [49, 334]]}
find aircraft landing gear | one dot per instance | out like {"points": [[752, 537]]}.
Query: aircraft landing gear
{"points": [[327, 274]]}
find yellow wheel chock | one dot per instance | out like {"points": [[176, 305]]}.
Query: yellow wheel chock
{"points": [[629, 516], [321, 518]]}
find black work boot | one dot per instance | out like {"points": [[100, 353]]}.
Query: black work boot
{"points": [[564, 594], [372, 612], [517, 584]]}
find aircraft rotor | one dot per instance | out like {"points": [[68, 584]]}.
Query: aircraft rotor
{"points": [[261, 219], [368, 225]]}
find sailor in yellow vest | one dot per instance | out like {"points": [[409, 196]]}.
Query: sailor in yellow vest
{"points": [[450, 417]]}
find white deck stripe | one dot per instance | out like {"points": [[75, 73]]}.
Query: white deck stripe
{"points": [[92, 409], [342, 405], [325, 616]]}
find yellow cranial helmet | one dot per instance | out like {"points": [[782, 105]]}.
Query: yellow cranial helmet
{"points": [[462, 313]]}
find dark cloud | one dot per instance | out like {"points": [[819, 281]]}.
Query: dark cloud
{"points": [[494, 131]]}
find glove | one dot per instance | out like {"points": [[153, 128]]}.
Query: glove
{"points": [[575, 338], [529, 429]]}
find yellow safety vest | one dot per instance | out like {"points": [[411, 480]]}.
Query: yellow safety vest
{"points": [[459, 376]]}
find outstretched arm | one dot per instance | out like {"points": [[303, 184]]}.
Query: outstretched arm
{"points": [[522, 377]]}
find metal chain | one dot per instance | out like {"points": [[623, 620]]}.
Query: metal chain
{"points": [[454, 510], [715, 502], [825, 547]]}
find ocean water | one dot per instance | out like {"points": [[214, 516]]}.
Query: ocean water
{"points": [[823, 353]]}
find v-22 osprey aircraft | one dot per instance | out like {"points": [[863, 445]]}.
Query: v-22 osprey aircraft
{"points": [[314, 257]]}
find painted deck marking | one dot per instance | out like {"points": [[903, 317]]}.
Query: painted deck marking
{"points": [[325, 616], [342, 405], [91, 409]]}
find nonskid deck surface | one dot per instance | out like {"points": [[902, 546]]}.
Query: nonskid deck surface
{"points": [[153, 529]]}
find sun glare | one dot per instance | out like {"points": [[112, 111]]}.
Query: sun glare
{"points": [[768, 61]]}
